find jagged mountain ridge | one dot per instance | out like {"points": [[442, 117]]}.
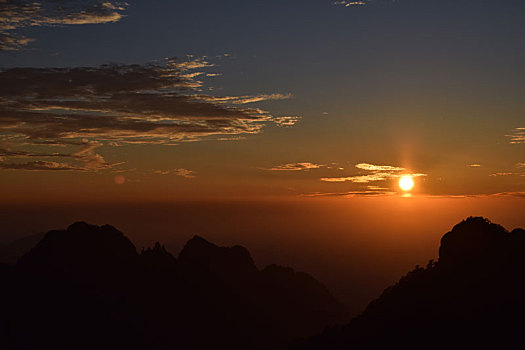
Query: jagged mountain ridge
{"points": [[88, 287], [472, 297]]}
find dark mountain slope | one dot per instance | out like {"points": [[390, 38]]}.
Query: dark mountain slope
{"points": [[12, 251], [473, 297], [87, 287]]}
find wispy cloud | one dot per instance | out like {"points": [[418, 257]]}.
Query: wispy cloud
{"points": [[378, 173], [40, 166], [348, 194], [189, 174], [121, 103], [296, 167], [157, 103], [517, 136], [474, 165], [17, 14], [507, 174], [84, 159], [359, 178], [350, 3], [372, 167], [286, 121], [372, 193], [518, 194], [238, 100]]}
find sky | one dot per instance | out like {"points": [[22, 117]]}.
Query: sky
{"points": [[284, 126], [172, 100]]}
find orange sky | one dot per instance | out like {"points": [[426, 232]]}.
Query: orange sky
{"points": [[356, 246]]}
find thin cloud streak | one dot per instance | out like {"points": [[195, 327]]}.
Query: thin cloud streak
{"points": [[40, 166], [348, 194], [506, 174], [372, 167], [188, 174], [371, 193], [517, 136], [238, 100], [296, 167], [350, 3]]}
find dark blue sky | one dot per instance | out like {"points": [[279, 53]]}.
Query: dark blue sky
{"points": [[429, 85]]}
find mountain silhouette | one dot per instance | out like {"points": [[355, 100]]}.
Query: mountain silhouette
{"points": [[12, 251], [473, 297], [87, 287], [227, 262]]}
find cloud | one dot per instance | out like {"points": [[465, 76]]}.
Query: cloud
{"points": [[286, 121], [351, 194], [85, 159], [518, 194], [349, 3], [114, 105], [474, 165], [359, 178], [296, 167], [378, 173], [372, 167], [92, 161], [189, 174], [238, 100], [348, 194], [122, 103], [17, 14], [507, 174], [40, 165], [517, 136]]}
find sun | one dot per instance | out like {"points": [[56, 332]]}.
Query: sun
{"points": [[406, 182]]}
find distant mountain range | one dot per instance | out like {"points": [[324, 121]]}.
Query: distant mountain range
{"points": [[472, 298], [87, 288]]}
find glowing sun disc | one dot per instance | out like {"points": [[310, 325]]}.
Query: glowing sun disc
{"points": [[406, 183]]}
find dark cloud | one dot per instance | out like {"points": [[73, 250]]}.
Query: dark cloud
{"points": [[40, 165], [160, 103], [152, 103], [17, 14]]}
